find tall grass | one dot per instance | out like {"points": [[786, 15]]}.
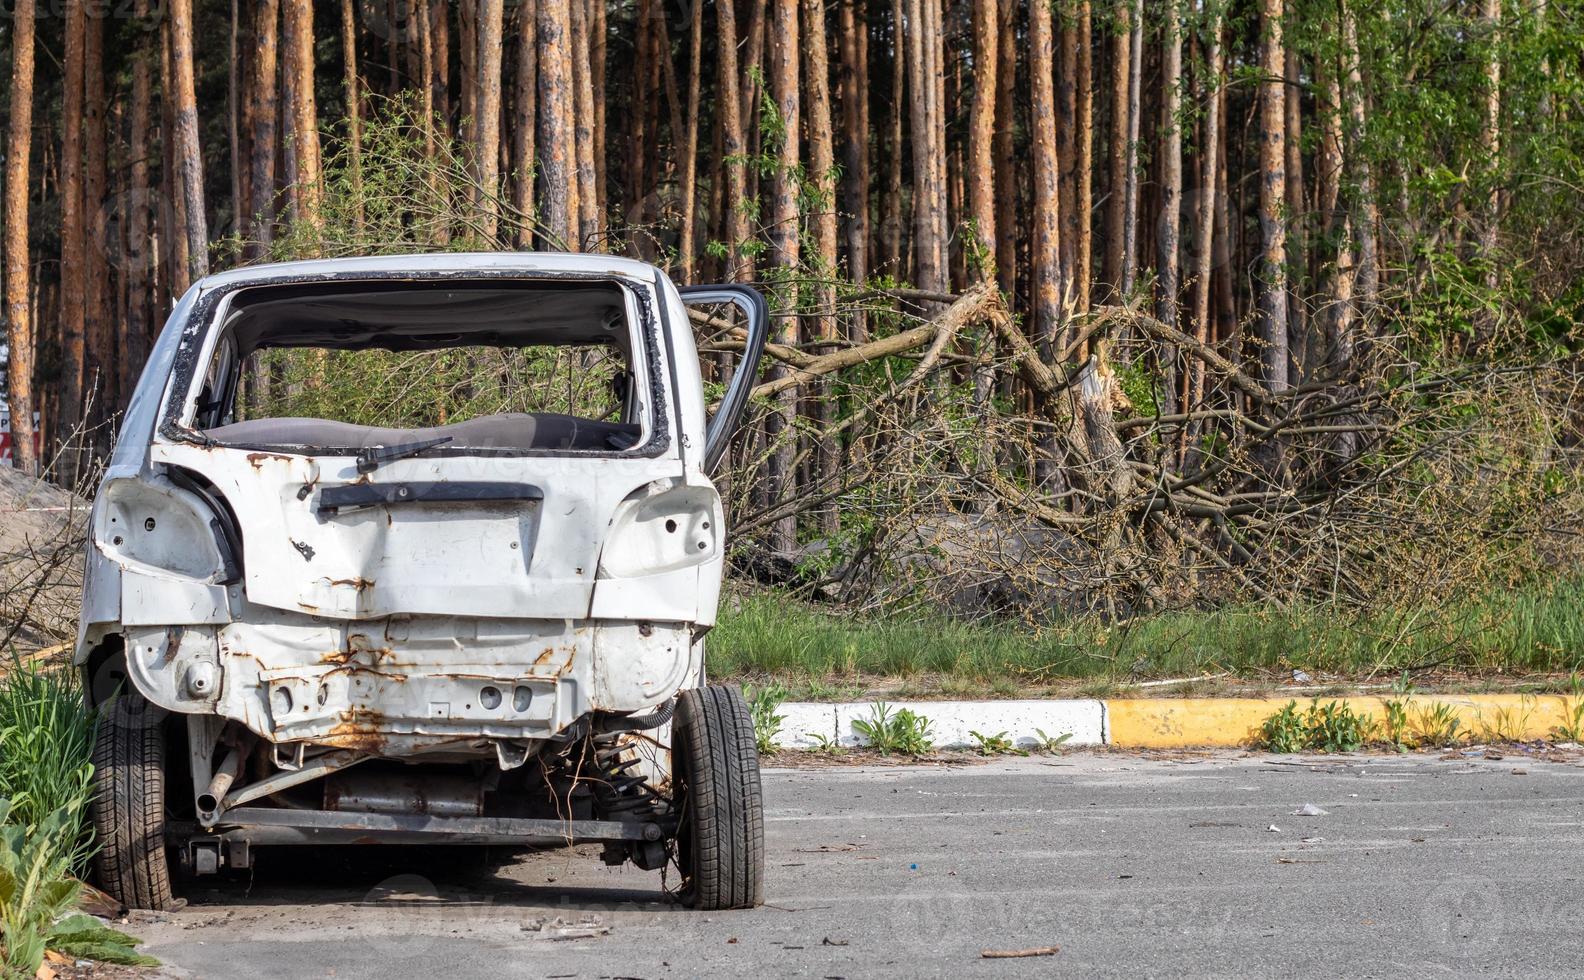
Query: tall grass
{"points": [[46, 745], [1538, 628]]}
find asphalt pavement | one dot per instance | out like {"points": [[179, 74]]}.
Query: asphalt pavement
{"points": [[1187, 864]]}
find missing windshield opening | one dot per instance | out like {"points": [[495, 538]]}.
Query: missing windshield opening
{"points": [[463, 367]]}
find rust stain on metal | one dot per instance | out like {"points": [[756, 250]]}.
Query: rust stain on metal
{"points": [[357, 582], [256, 460], [358, 730], [173, 638]]}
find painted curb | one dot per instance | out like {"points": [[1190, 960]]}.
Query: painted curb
{"points": [[1164, 723], [951, 722]]}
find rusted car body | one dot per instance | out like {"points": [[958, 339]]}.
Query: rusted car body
{"points": [[484, 630]]}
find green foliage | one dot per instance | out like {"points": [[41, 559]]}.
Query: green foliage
{"points": [[762, 705], [1330, 727], [1503, 724], [904, 733], [1283, 732], [430, 388], [36, 887], [997, 744], [1572, 727], [38, 896], [825, 744], [1437, 725], [86, 937], [46, 744], [1051, 744]]}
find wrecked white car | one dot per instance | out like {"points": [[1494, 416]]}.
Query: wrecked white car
{"points": [[487, 629]]}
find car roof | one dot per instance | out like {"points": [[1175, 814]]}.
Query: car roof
{"points": [[436, 264]]}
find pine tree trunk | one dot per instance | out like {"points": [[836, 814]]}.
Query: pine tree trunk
{"points": [[1361, 207], [1168, 228], [1116, 198], [1298, 223], [1225, 302], [821, 168], [308, 177], [1084, 164], [929, 192], [1491, 142], [467, 65], [187, 138], [262, 93], [174, 215], [583, 129], [1130, 192], [739, 262], [821, 179], [1210, 162], [689, 172], [238, 125], [135, 330], [18, 297], [1047, 273], [487, 99], [555, 123], [73, 284], [1006, 166], [784, 244], [853, 31], [598, 55], [100, 361], [1067, 148], [1272, 281], [893, 231], [981, 134], [440, 55], [354, 101], [525, 121]]}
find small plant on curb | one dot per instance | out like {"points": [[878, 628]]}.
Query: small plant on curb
{"points": [[1396, 722], [906, 732], [997, 744], [824, 744], [762, 705], [1050, 744], [1283, 732], [1437, 725], [1506, 724], [1334, 727], [1572, 729], [1330, 727]]}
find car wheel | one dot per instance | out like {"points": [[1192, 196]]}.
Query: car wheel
{"points": [[128, 809], [720, 835]]}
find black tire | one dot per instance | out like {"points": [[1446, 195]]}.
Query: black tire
{"points": [[720, 839], [129, 804]]}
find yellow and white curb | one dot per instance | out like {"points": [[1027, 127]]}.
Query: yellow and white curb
{"points": [[1165, 723]]}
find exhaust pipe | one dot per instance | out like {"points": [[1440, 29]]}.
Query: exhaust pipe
{"points": [[230, 768]]}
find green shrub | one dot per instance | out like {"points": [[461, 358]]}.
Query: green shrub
{"points": [[38, 897], [905, 733], [997, 744], [1330, 727], [762, 705]]}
